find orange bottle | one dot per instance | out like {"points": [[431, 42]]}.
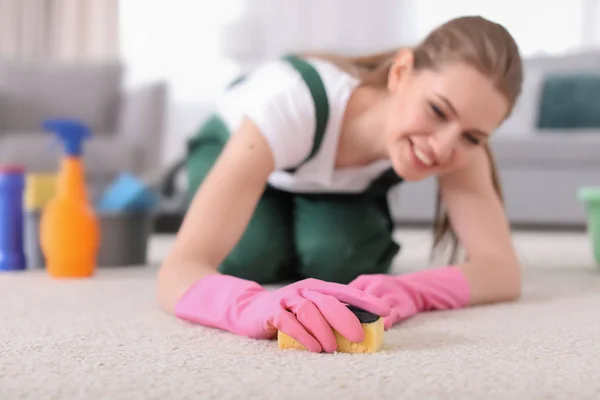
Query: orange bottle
{"points": [[69, 229]]}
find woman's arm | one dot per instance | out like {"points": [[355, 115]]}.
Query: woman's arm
{"points": [[478, 218], [218, 214], [491, 272]]}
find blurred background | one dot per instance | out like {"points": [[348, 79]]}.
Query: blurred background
{"points": [[145, 73]]}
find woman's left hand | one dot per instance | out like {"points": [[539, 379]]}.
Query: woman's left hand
{"points": [[409, 294], [389, 289]]}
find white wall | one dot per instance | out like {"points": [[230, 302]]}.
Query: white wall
{"points": [[337, 25], [178, 40]]}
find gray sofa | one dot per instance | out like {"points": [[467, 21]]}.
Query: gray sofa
{"points": [[127, 124], [541, 166]]}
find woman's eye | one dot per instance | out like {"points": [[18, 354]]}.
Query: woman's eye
{"points": [[472, 138], [438, 112]]}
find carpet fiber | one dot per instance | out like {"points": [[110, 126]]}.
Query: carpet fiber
{"points": [[105, 338]]}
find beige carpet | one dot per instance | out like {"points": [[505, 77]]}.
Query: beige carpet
{"points": [[104, 338]]}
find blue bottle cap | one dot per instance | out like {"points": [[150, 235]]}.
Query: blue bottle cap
{"points": [[71, 131]]}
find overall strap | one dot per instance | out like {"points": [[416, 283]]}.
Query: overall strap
{"points": [[385, 181], [313, 81], [388, 178], [379, 186], [319, 95]]}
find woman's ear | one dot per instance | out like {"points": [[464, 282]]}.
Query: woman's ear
{"points": [[401, 68]]}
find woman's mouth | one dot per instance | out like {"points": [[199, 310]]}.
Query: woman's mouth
{"points": [[419, 158]]}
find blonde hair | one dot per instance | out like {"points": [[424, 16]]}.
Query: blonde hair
{"points": [[485, 45]]}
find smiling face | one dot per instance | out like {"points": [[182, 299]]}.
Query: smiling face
{"points": [[437, 119]]}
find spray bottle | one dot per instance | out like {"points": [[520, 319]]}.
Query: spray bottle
{"points": [[69, 229]]}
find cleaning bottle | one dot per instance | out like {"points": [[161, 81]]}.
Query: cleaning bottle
{"points": [[69, 229], [12, 256]]}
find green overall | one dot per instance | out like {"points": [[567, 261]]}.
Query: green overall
{"points": [[291, 236]]}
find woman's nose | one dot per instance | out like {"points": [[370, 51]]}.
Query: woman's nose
{"points": [[443, 144]]}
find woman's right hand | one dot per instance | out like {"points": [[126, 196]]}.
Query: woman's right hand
{"points": [[308, 310]]}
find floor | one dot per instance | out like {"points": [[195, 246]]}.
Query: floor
{"points": [[104, 338]]}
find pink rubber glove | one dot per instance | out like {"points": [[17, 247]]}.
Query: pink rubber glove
{"points": [[435, 289], [306, 310]]}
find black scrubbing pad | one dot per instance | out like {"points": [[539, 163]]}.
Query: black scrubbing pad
{"points": [[363, 316]]}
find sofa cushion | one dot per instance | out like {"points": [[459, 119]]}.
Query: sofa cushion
{"points": [[567, 148], [40, 152], [525, 116], [570, 100], [32, 92]]}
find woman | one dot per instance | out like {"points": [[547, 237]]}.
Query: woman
{"points": [[290, 177]]}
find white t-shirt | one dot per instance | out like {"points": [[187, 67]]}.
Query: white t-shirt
{"points": [[279, 102]]}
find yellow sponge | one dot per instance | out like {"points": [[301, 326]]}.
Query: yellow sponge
{"points": [[372, 325]]}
